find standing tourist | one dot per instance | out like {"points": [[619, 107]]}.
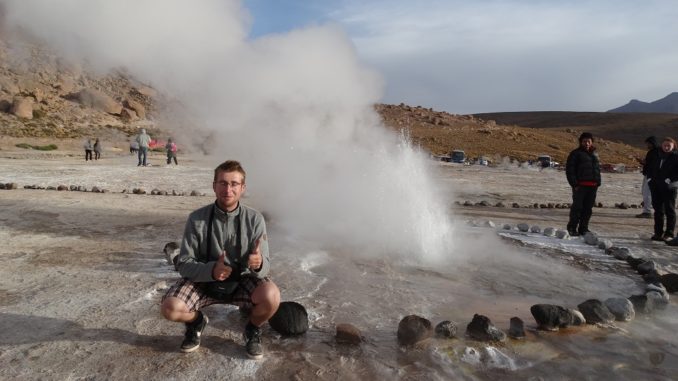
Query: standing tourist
{"points": [[97, 149], [143, 140], [88, 149], [583, 175], [650, 161], [663, 182], [171, 148]]}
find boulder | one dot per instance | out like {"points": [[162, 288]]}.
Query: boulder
{"points": [[446, 329], [634, 262], [594, 311], [482, 329], [652, 277], [550, 317], [137, 107], [670, 282], [171, 251], [517, 328], [523, 227], [535, 229], [562, 234], [550, 232], [621, 308], [290, 319], [646, 267], [128, 115], [348, 334], [97, 100], [413, 329], [590, 239], [642, 304], [22, 108]]}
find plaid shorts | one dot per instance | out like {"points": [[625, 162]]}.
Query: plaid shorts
{"points": [[193, 293]]}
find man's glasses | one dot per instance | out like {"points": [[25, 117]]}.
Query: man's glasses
{"points": [[226, 184]]}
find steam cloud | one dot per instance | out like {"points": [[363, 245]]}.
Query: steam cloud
{"points": [[295, 109]]}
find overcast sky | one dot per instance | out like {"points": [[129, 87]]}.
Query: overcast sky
{"points": [[470, 56]]}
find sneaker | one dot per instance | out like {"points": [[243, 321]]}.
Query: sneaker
{"points": [[253, 341], [672, 242], [193, 332], [644, 215], [657, 237], [667, 237]]}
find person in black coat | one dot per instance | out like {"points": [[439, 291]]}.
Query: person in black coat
{"points": [[650, 161], [583, 175], [663, 175]]}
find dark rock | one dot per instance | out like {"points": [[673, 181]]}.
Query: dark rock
{"points": [[562, 234], [550, 232], [622, 205], [543, 206], [51, 187], [523, 227], [590, 239], [658, 300], [652, 277], [290, 319], [2, 186], [73, 188], [642, 304], [155, 192], [62, 188], [621, 253], [484, 203], [535, 205], [413, 329], [594, 311], [634, 262], [446, 329], [500, 205], [670, 282], [517, 328], [348, 334], [96, 189], [551, 205], [621, 308], [515, 205], [550, 317], [507, 227], [662, 298], [482, 329], [82, 188], [646, 267], [535, 229], [11, 186], [600, 205], [195, 193]]}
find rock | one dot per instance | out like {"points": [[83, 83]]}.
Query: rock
{"points": [[348, 334], [171, 251], [657, 298], [515, 205], [621, 253], [594, 311], [604, 244], [535, 205], [22, 108], [551, 205], [599, 205], [139, 191], [446, 329], [155, 192], [5, 105], [577, 317], [646, 267], [97, 100], [82, 188], [500, 205], [622, 205], [523, 227], [670, 282], [290, 319], [664, 296], [51, 187], [562, 234], [550, 232], [128, 115], [62, 188], [535, 229], [489, 224], [590, 239], [96, 189], [621, 308], [471, 356], [517, 328], [642, 304], [145, 91], [482, 329], [174, 193], [2, 186], [137, 107], [413, 329], [195, 193], [507, 227], [652, 277], [550, 317], [484, 203], [73, 188]]}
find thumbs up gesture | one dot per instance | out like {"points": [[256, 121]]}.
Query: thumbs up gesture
{"points": [[221, 271], [255, 259]]}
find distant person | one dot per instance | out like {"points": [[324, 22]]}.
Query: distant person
{"points": [[133, 147], [88, 149], [97, 149], [223, 260], [650, 160], [171, 148], [663, 183], [143, 139], [583, 175]]}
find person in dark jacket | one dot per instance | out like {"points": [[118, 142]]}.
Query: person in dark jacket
{"points": [[663, 183], [583, 175], [650, 160]]}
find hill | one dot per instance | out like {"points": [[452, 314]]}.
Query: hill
{"points": [[627, 128], [668, 104], [481, 135]]}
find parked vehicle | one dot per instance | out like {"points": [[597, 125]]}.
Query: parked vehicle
{"points": [[545, 161], [457, 156]]}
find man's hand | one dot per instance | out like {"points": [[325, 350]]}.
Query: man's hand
{"points": [[221, 271], [255, 260]]}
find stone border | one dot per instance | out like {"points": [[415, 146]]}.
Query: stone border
{"points": [[536, 205], [96, 189]]}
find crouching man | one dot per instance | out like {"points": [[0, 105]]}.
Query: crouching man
{"points": [[224, 259]]}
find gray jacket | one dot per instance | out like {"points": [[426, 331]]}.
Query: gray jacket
{"points": [[193, 262], [143, 139]]}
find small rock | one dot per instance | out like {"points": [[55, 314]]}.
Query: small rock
{"points": [[2, 186], [600, 205], [550, 317], [550, 232], [658, 300], [482, 329], [507, 227], [621, 308], [562, 234], [73, 188], [594, 311], [489, 224], [621, 253], [413, 329], [515, 205], [535, 229], [634, 262], [62, 188], [664, 297], [195, 193], [82, 188], [446, 329], [291, 318], [604, 244], [523, 227], [652, 277], [348, 334], [96, 189], [155, 192], [517, 328], [484, 203], [646, 267], [590, 239], [471, 356], [500, 205], [670, 282], [10, 186], [51, 188], [642, 304]]}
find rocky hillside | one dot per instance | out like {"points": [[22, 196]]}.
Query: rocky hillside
{"points": [[440, 132]]}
